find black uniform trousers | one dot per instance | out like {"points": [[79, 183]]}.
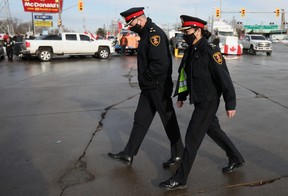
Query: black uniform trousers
{"points": [[150, 101], [203, 120]]}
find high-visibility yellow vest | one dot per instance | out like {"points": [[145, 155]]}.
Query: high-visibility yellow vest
{"points": [[182, 81]]}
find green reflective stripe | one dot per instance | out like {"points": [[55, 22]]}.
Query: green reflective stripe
{"points": [[182, 82], [182, 89]]}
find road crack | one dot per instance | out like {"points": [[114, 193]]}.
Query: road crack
{"points": [[79, 173], [259, 95], [247, 184], [130, 76]]}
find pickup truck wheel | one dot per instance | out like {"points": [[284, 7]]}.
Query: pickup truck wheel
{"points": [[268, 53], [251, 50], [45, 55], [103, 53]]}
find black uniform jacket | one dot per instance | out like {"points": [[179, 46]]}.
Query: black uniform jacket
{"points": [[207, 75], [153, 58]]}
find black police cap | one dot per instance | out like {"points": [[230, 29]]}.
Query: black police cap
{"points": [[132, 13], [191, 22]]}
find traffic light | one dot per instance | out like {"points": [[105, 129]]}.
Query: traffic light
{"points": [[243, 12], [80, 5], [59, 23], [218, 13], [277, 11]]}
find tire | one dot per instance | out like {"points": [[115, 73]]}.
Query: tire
{"points": [[45, 55], [103, 53], [268, 53], [132, 52], [251, 50]]}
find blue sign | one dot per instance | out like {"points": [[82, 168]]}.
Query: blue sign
{"points": [[43, 17]]}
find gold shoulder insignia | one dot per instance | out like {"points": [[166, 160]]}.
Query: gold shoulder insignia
{"points": [[155, 40], [218, 57]]}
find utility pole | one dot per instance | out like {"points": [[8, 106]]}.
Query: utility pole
{"points": [[59, 18], [5, 15], [283, 22], [32, 24]]}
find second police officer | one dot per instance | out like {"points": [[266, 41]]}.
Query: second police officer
{"points": [[204, 77]]}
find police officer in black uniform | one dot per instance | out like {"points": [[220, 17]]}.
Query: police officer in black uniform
{"points": [[205, 72], [154, 76]]}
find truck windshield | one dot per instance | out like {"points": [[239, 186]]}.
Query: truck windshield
{"points": [[221, 33], [257, 37]]}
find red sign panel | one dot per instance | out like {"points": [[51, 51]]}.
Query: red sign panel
{"points": [[50, 6]]}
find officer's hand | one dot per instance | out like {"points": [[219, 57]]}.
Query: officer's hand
{"points": [[179, 104], [231, 113]]}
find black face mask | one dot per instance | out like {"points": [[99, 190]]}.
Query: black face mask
{"points": [[189, 39], [136, 28]]}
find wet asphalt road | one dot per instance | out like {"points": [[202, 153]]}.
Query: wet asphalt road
{"points": [[58, 120]]}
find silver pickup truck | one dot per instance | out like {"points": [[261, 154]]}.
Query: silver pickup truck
{"points": [[253, 43], [73, 44]]}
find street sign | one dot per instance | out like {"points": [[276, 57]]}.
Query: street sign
{"points": [[43, 23], [43, 17], [261, 27]]}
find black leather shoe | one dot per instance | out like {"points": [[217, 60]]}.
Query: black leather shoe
{"points": [[232, 166], [172, 185], [172, 162], [121, 157]]}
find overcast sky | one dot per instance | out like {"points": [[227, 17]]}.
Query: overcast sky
{"points": [[164, 12]]}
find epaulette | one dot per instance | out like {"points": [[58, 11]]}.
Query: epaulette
{"points": [[212, 46], [152, 30]]}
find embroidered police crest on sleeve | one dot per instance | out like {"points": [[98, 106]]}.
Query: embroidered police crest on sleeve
{"points": [[155, 40], [218, 58]]}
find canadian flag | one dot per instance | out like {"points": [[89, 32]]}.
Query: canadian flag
{"points": [[91, 35], [120, 26]]}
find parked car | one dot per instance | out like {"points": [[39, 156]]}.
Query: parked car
{"points": [[256, 43], [177, 42], [284, 40], [73, 44], [112, 38], [2, 52], [133, 41]]}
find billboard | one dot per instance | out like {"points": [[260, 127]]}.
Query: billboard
{"points": [[44, 6]]}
